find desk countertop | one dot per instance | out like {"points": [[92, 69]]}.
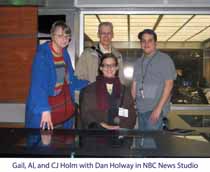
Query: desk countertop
{"points": [[24, 142]]}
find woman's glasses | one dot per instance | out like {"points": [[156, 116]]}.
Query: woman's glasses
{"points": [[107, 66], [63, 36]]}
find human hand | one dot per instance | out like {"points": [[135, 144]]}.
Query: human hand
{"points": [[46, 138], [109, 127], [155, 115], [46, 120]]}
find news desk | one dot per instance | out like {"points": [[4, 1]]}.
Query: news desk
{"points": [[23, 142]]}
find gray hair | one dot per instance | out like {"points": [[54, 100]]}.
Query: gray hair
{"points": [[105, 24], [63, 25]]}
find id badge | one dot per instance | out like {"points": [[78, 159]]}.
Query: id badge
{"points": [[123, 112], [142, 93]]}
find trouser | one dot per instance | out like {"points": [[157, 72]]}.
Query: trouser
{"points": [[145, 125]]}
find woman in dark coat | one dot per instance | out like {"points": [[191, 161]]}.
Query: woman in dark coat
{"points": [[106, 103]]}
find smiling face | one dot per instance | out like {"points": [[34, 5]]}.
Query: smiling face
{"points": [[59, 38], [109, 67], [148, 44]]}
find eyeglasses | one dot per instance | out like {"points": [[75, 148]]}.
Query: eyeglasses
{"points": [[106, 66], [105, 33], [61, 36]]}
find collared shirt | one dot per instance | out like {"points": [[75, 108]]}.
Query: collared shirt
{"points": [[109, 88], [152, 72], [104, 51]]}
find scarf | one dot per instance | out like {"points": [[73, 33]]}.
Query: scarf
{"points": [[102, 93]]}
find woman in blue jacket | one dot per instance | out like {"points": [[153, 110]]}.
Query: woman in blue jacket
{"points": [[50, 68]]}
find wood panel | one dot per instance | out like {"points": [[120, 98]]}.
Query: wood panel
{"points": [[18, 20], [18, 30], [15, 68], [11, 125]]}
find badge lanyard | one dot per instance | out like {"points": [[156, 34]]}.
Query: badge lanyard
{"points": [[144, 72]]}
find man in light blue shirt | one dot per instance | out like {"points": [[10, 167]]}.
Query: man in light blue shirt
{"points": [[154, 75]]}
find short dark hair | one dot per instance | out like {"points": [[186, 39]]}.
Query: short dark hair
{"points": [[147, 31], [105, 56]]}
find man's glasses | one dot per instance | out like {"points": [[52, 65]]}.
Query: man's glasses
{"points": [[105, 33]]}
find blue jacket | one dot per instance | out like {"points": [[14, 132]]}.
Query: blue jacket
{"points": [[42, 85]]}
